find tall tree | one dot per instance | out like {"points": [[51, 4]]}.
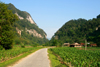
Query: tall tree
{"points": [[7, 18]]}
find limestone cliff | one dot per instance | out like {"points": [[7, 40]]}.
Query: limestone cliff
{"points": [[34, 33], [27, 31]]}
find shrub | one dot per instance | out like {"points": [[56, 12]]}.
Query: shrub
{"points": [[1, 47], [22, 45]]}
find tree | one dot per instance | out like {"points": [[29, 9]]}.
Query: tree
{"points": [[95, 37], [7, 18], [54, 43], [98, 16]]}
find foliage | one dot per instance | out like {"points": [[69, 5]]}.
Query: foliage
{"points": [[77, 30], [70, 31], [95, 37], [1, 47], [25, 38], [98, 16], [55, 43], [7, 18], [22, 45], [35, 45], [78, 58], [15, 10]]}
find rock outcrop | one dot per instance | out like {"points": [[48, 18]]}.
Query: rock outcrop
{"points": [[29, 18], [19, 16], [27, 31], [18, 31], [34, 33]]}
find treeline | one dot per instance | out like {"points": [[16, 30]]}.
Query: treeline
{"points": [[27, 39], [79, 30]]}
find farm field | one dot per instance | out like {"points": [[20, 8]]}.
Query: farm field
{"points": [[54, 61], [78, 57], [16, 51]]}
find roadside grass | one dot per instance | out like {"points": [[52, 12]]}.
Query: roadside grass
{"points": [[13, 60], [54, 61]]}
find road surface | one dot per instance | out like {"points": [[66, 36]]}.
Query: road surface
{"points": [[37, 59]]}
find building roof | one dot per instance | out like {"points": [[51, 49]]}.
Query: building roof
{"points": [[66, 43], [76, 44]]}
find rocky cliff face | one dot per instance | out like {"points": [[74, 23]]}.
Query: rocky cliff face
{"points": [[26, 23], [31, 31], [27, 31], [34, 33], [29, 18], [21, 18]]}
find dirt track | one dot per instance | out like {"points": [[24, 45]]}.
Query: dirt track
{"points": [[37, 59]]}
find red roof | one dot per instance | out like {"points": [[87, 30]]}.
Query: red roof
{"points": [[93, 44], [82, 44]]}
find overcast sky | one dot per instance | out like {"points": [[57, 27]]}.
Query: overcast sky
{"points": [[50, 15]]}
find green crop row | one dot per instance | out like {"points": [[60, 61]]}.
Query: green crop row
{"points": [[8, 54], [78, 58]]}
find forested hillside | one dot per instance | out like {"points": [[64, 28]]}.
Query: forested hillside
{"points": [[79, 30], [26, 30]]}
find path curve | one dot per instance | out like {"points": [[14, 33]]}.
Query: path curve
{"points": [[37, 59]]}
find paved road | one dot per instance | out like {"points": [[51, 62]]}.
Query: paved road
{"points": [[37, 59]]}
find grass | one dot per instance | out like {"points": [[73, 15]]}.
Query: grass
{"points": [[17, 58], [55, 62]]}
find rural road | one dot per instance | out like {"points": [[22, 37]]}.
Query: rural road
{"points": [[36, 59]]}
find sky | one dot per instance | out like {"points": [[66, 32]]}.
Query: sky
{"points": [[50, 15]]}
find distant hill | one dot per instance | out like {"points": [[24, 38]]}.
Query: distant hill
{"points": [[77, 30], [26, 30]]}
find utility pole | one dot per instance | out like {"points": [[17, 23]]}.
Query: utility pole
{"points": [[85, 44]]}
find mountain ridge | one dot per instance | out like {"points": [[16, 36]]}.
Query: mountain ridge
{"points": [[21, 14], [77, 31], [26, 28]]}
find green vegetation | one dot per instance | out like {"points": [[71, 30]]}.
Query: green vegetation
{"points": [[9, 35], [15, 10], [21, 24], [78, 57], [7, 18], [54, 61], [10, 56], [95, 37], [79, 30]]}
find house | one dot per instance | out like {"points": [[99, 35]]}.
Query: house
{"points": [[75, 45], [82, 44], [93, 45], [66, 44]]}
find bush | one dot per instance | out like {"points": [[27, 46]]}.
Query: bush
{"points": [[34, 45], [22, 45], [1, 47]]}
